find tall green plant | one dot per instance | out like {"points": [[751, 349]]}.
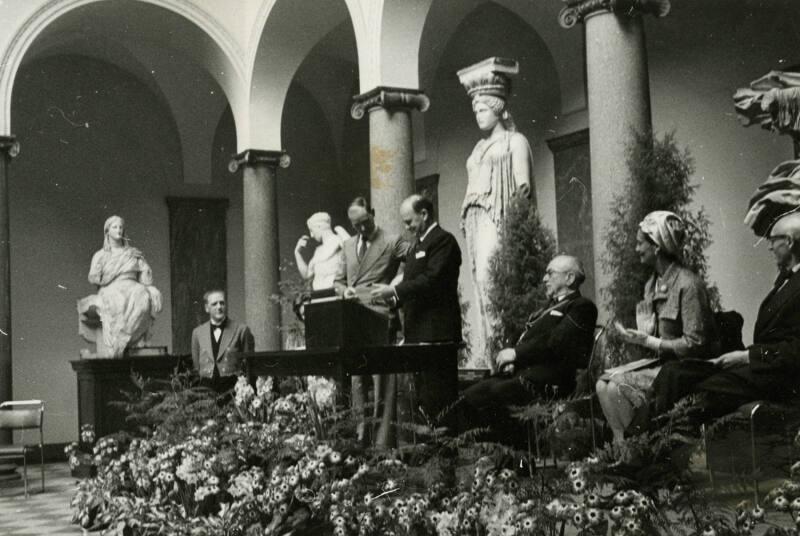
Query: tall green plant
{"points": [[660, 179], [516, 270]]}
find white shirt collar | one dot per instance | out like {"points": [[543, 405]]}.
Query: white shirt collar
{"points": [[428, 230]]}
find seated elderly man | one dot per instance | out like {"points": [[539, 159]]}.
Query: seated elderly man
{"points": [[557, 342], [769, 368]]}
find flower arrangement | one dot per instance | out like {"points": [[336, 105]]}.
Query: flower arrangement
{"points": [[79, 453], [278, 461]]}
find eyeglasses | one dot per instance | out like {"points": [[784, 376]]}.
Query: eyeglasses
{"points": [[775, 238], [550, 271]]}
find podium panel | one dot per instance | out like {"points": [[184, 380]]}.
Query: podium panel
{"points": [[344, 324]]}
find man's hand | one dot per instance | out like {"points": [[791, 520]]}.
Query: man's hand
{"points": [[505, 356], [732, 359], [382, 292], [349, 292], [504, 361]]}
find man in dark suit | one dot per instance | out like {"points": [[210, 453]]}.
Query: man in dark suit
{"points": [[372, 257], [769, 368], [215, 344], [557, 341], [428, 295]]}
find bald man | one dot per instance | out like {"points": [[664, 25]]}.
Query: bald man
{"points": [[769, 368], [557, 342]]}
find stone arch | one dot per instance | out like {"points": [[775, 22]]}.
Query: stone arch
{"points": [[542, 17], [223, 59], [284, 35]]}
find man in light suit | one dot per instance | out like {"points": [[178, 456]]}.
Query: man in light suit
{"points": [[372, 257], [556, 343], [428, 295], [215, 344]]}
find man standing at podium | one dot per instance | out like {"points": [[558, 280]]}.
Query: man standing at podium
{"points": [[428, 295], [372, 257], [215, 344]]}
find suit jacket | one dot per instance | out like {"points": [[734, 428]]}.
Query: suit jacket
{"points": [[429, 290], [379, 265], [559, 338], [235, 338], [775, 352]]}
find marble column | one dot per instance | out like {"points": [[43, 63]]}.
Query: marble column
{"points": [[391, 157], [9, 147], [391, 150], [261, 253], [618, 90]]}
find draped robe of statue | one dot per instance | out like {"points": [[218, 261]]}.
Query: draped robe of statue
{"points": [[490, 186], [126, 302]]}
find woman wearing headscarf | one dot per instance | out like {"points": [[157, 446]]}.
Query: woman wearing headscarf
{"points": [[674, 320]]}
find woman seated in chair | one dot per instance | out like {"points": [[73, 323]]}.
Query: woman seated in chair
{"points": [[674, 321]]}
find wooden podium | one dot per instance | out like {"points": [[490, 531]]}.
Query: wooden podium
{"points": [[345, 338], [344, 323], [101, 381]]}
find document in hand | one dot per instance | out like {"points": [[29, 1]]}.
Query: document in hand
{"points": [[630, 367]]}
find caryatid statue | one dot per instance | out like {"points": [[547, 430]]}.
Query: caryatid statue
{"points": [[499, 167]]}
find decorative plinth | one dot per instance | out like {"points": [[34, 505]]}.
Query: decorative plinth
{"points": [[102, 381]]}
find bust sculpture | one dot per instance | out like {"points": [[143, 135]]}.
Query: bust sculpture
{"points": [[498, 168], [324, 264], [120, 315]]}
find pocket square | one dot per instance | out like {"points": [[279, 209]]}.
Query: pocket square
{"points": [[419, 255], [556, 313]]}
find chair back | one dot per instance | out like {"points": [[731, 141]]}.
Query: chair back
{"points": [[21, 415], [729, 326]]}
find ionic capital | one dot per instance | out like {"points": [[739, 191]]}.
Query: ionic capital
{"points": [[389, 98], [252, 157], [578, 10]]}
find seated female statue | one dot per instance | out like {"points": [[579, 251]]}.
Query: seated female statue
{"points": [[324, 265], [674, 320], [126, 300]]}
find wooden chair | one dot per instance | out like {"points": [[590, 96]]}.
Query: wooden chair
{"points": [[22, 415]]}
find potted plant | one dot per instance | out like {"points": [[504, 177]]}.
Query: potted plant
{"points": [[80, 454]]}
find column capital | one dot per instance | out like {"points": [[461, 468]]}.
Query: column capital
{"points": [[389, 97], [578, 10], [9, 145], [252, 157]]}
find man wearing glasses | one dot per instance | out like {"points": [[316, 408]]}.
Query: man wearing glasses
{"points": [[768, 368], [557, 342]]}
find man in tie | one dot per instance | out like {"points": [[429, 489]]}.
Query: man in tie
{"points": [[216, 344], [372, 257], [767, 369], [556, 343], [428, 295]]}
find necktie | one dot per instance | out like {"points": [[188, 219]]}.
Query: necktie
{"points": [[783, 277], [362, 248]]}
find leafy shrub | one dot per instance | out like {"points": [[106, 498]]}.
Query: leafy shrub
{"points": [[516, 270], [660, 179]]}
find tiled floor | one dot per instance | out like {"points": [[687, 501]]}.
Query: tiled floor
{"points": [[40, 514]]}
